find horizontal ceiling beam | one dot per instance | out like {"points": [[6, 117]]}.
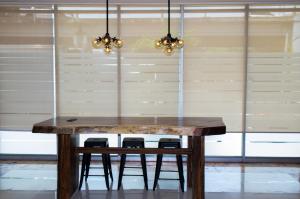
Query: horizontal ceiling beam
{"points": [[149, 2]]}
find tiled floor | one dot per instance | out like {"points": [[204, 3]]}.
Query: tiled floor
{"points": [[34, 180]]}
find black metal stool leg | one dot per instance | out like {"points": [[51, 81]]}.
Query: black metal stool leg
{"points": [[157, 170], [144, 167], [105, 167], [83, 165], [88, 163], [109, 167], [122, 165], [180, 171]]}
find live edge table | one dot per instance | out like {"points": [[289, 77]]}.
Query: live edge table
{"points": [[68, 129]]}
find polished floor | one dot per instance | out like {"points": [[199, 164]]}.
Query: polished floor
{"points": [[34, 180]]}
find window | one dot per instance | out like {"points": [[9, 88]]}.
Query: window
{"points": [[273, 103], [273, 145], [26, 73], [86, 77], [206, 78], [149, 79], [26, 77], [213, 71]]}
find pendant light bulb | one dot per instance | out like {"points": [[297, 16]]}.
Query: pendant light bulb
{"points": [[168, 51], [158, 44], [106, 40], [180, 43], [107, 50], [118, 43], [165, 42], [96, 43]]}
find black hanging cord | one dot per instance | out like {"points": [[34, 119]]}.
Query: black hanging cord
{"points": [[169, 17], [107, 16]]}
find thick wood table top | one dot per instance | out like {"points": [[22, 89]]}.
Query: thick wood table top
{"points": [[191, 126]]}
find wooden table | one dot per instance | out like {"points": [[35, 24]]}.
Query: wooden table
{"points": [[69, 128]]}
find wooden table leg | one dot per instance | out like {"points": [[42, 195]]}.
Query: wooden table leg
{"points": [[198, 166], [67, 166], [189, 163]]}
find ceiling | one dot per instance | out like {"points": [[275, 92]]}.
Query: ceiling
{"points": [[126, 2]]}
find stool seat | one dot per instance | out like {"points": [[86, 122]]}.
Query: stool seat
{"points": [[133, 139], [96, 142], [135, 142], [169, 142]]}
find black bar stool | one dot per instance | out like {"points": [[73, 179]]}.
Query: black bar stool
{"points": [[85, 168], [169, 143], [133, 142]]}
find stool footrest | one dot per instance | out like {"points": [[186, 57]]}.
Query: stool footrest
{"points": [[168, 179], [168, 171], [133, 167], [132, 175], [94, 175], [96, 168]]}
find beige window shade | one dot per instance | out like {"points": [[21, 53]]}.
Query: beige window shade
{"points": [[274, 71], [26, 66], [149, 79], [214, 64], [86, 77]]}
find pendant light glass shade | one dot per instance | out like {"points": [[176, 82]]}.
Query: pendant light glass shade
{"points": [[107, 42], [168, 43]]}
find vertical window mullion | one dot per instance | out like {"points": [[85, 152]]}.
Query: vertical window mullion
{"points": [[244, 113]]}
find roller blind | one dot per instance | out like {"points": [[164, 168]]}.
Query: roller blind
{"points": [[214, 62], [149, 78], [273, 102], [87, 78], [26, 60]]}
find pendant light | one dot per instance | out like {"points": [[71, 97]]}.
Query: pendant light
{"points": [[168, 43], [107, 41]]}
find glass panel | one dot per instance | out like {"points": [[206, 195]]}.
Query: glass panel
{"points": [[213, 8], [273, 144], [149, 78], [213, 68], [229, 144], [273, 102], [26, 78], [26, 73], [87, 78], [25, 142], [261, 7]]}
